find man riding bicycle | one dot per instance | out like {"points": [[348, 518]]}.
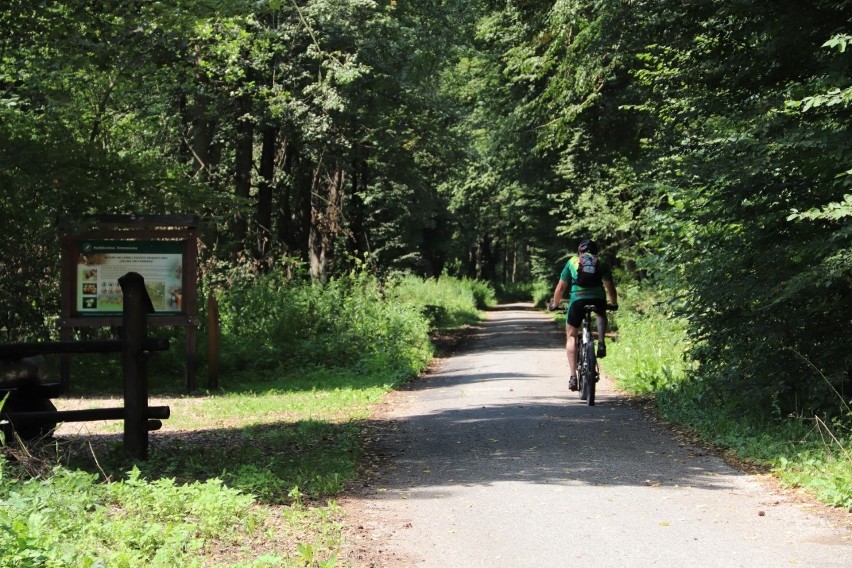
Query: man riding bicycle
{"points": [[589, 280]]}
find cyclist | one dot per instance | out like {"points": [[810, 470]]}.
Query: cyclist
{"points": [[599, 285]]}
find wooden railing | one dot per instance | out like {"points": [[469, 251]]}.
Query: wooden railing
{"points": [[28, 409]]}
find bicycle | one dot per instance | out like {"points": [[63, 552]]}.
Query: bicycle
{"points": [[587, 364], [588, 372]]}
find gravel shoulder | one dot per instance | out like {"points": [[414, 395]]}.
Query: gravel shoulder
{"points": [[489, 460]]}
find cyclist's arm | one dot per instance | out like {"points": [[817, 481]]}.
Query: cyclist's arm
{"points": [[559, 292]]}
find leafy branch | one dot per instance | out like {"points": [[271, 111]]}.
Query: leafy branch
{"points": [[831, 212]]}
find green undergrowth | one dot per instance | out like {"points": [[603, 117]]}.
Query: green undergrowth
{"points": [[274, 324], [648, 358], [802, 451], [446, 302], [514, 292], [246, 474], [648, 354], [68, 518]]}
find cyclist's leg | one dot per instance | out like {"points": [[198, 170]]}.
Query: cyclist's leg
{"points": [[602, 326], [573, 321], [571, 348]]}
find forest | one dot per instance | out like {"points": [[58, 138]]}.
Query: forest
{"points": [[369, 175], [703, 144]]}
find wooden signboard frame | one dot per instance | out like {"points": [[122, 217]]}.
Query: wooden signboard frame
{"points": [[128, 232]]}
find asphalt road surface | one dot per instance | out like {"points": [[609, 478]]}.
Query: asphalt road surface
{"points": [[491, 461]]}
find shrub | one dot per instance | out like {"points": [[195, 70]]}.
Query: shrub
{"points": [[447, 301], [515, 292], [542, 292], [271, 322]]}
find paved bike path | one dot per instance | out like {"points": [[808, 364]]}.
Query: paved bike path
{"points": [[491, 461]]}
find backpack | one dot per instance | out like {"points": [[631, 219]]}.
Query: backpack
{"points": [[588, 271]]}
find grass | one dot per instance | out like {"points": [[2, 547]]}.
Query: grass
{"points": [[802, 452], [258, 464]]}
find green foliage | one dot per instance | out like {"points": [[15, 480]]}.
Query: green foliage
{"points": [[69, 519], [787, 290], [648, 356], [514, 292], [270, 321], [447, 301], [542, 292], [282, 124], [484, 295], [831, 212]]}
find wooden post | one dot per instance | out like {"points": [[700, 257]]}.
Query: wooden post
{"points": [[65, 334], [134, 330], [191, 358], [212, 341], [189, 308]]}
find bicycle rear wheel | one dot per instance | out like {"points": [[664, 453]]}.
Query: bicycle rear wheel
{"points": [[581, 370], [591, 373], [586, 377]]}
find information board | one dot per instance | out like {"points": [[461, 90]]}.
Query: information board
{"points": [[97, 250], [102, 262]]}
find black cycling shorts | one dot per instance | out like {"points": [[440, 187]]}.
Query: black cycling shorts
{"points": [[576, 311]]}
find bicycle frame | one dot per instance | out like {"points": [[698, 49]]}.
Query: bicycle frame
{"points": [[587, 365]]}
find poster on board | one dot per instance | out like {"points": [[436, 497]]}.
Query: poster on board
{"points": [[102, 262]]}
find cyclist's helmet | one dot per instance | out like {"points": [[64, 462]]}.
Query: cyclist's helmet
{"points": [[587, 245]]}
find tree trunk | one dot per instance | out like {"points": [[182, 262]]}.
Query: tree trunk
{"points": [[326, 220], [242, 169], [204, 156], [264, 193], [303, 185], [284, 191], [359, 243], [317, 259]]}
